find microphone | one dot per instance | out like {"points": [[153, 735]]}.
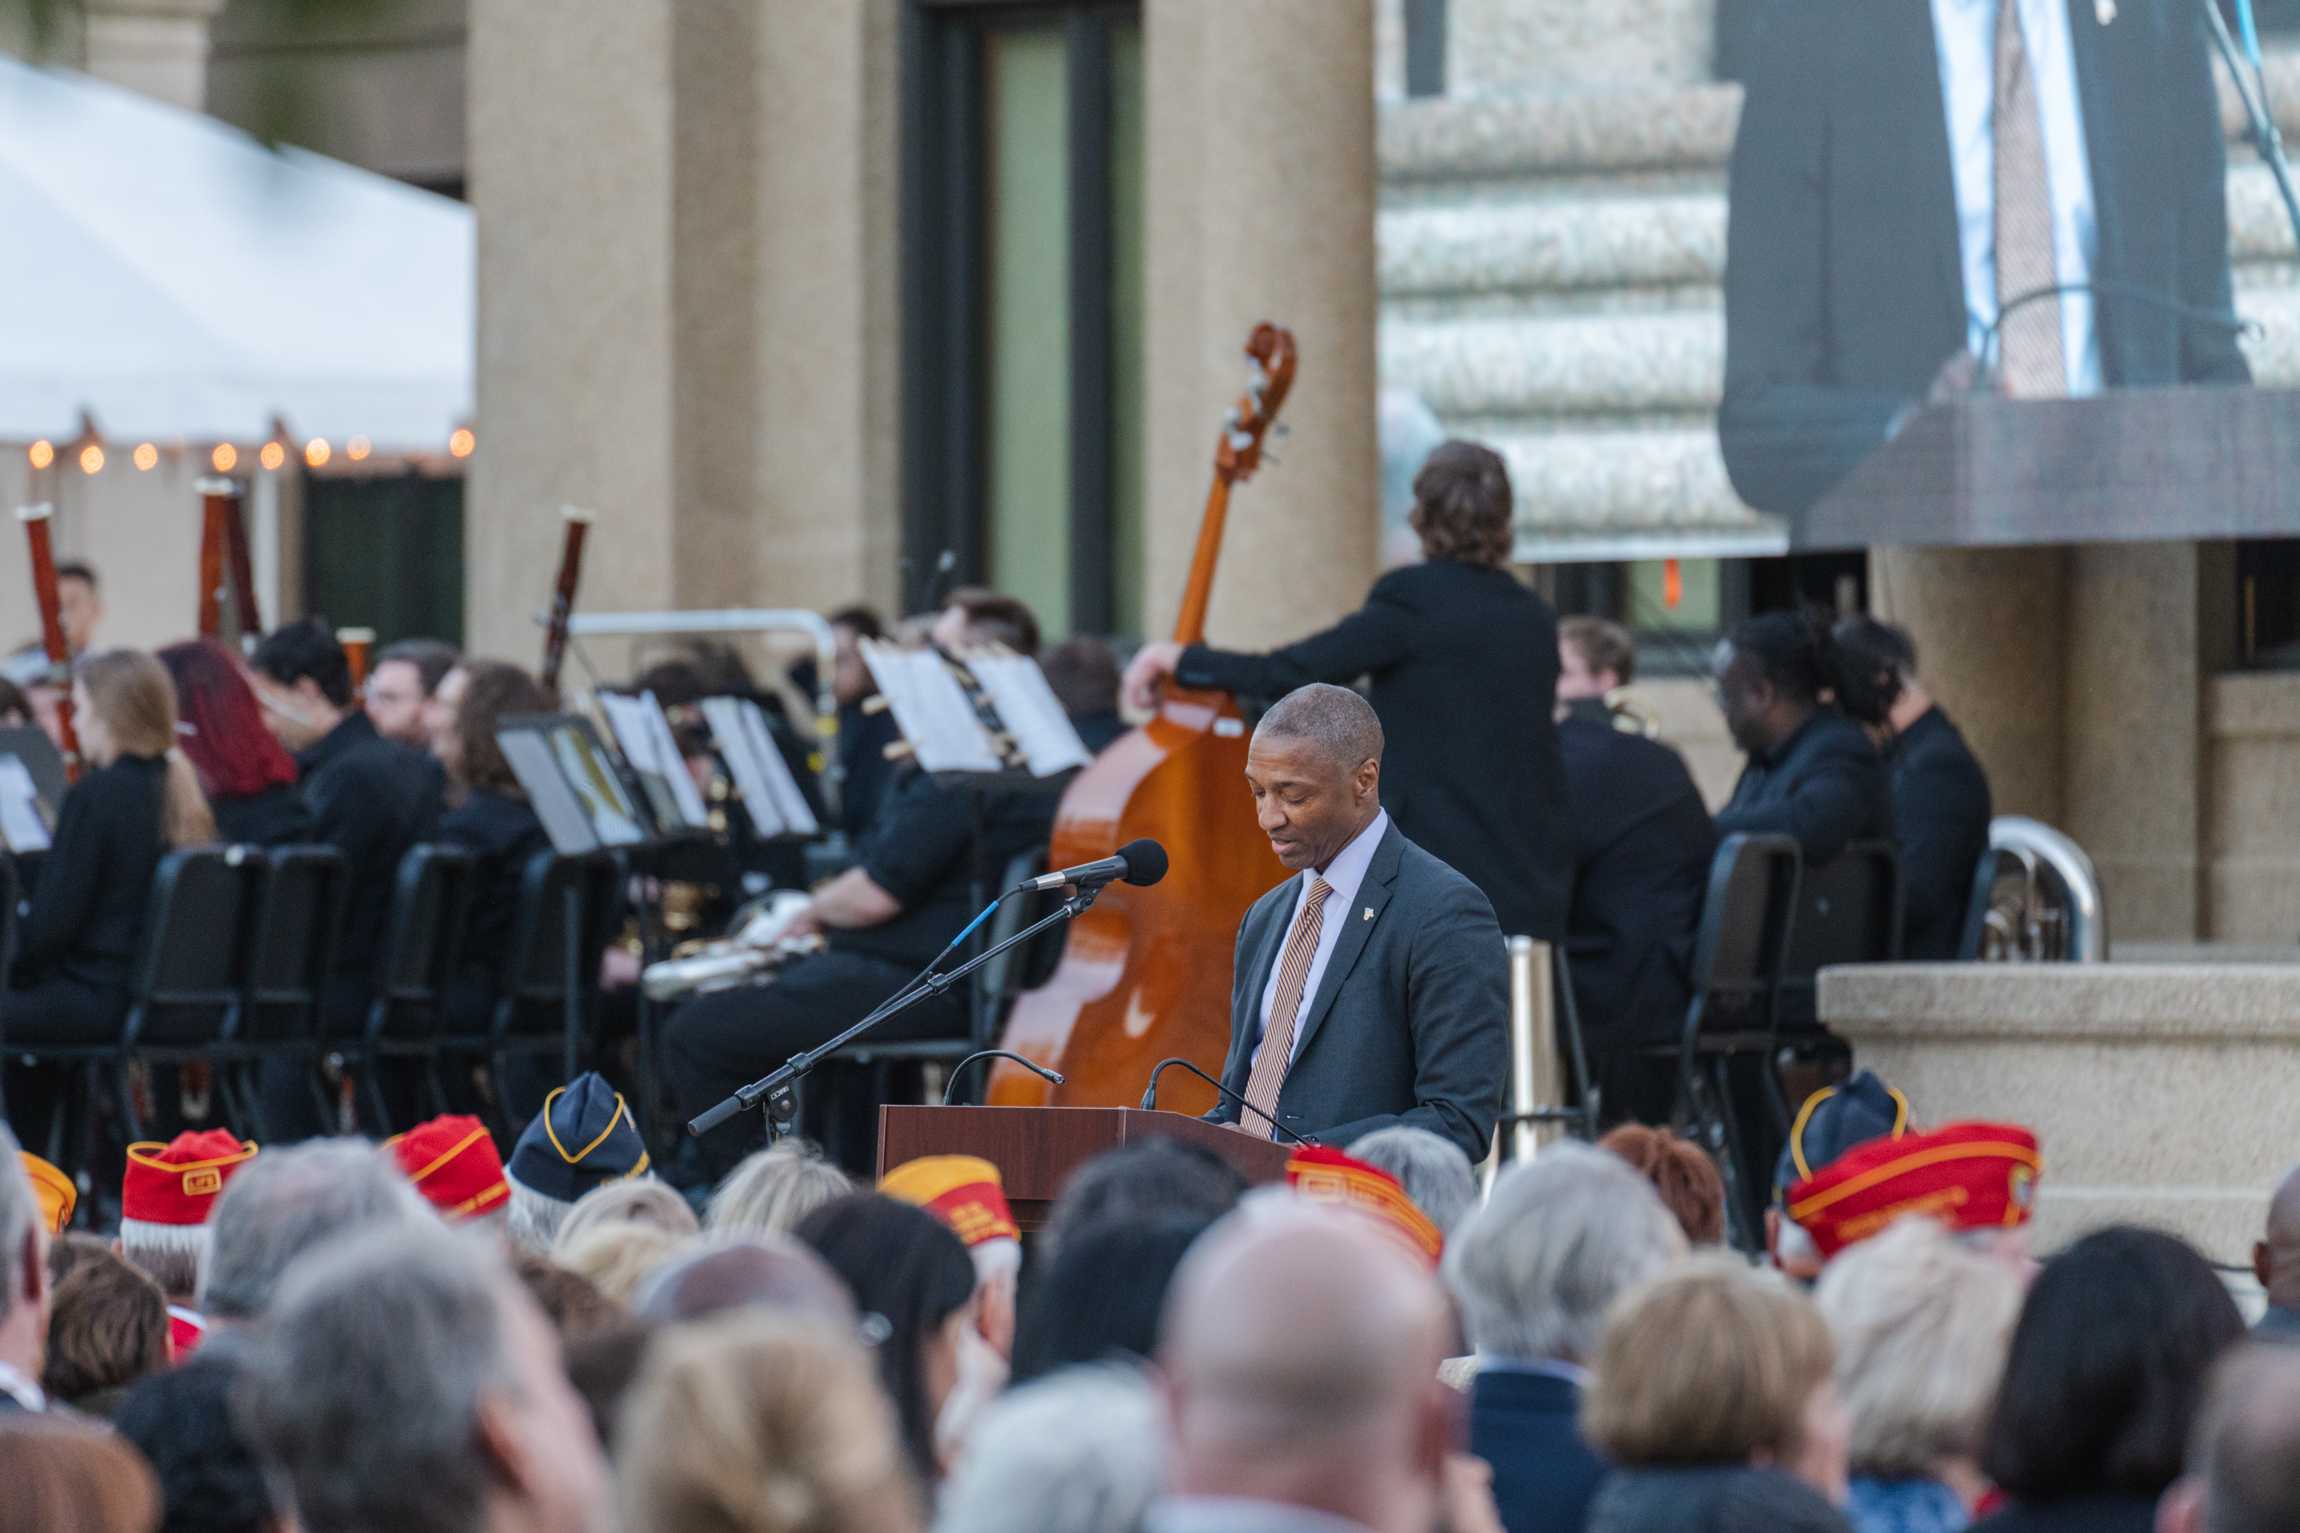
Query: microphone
{"points": [[1150, 1096], [950, 1085], [1137, 862], [2224, 320]]}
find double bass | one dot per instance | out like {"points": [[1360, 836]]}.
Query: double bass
{"points": [[1146, 972]]}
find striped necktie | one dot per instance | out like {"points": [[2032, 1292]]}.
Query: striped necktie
{"points": [[2031, 354], [1277, 1051]]}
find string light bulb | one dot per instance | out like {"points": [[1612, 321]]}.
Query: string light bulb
{"points": [[91, 459], [225, 458], [42, 453], [316, 452], [271, 455], [358, 448], [461, 442], [147, 457]]}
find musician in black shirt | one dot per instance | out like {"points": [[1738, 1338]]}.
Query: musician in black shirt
{"points": [[248, 776], [1813, 774], [492, 819], [140, 799]]}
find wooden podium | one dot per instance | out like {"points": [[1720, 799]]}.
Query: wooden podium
{"points": [[1036, 1148]]}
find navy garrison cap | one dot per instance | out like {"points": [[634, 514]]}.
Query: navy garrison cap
{"points": [[583, 1138]]}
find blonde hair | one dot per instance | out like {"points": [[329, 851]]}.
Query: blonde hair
{"points": [[1711, 1363], [773, 1189], [754, 1422], [1922, 1326], [136, 698], [644, 1202], [618, 1258]]}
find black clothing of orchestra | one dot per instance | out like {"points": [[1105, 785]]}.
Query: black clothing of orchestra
{"points": [[923, 851], [1098, 729], [1844, 279], [78, 939], [1642, 845], [1941, 817], [1463, 664], [863, 739], [275, 816], [371, 799], [503, 835], [1824, 787]]}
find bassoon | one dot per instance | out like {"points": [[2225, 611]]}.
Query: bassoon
{"points": [[37, 529], [227, 571], [563, 598]]}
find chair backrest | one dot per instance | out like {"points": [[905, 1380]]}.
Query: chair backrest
{"points": [[291, 936], [1747, 919], [535, 970], [9, 894], [1849, 910], [191, 961], [423, 935]]}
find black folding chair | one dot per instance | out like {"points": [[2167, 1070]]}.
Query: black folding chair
{"points": [[422, 947], [187, 991], [296, 921], [1849, 910], [1747, 921]]}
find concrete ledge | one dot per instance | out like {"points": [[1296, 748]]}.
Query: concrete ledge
{"points": [[2162, 1093]]}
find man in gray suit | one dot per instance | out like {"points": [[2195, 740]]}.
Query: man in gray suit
{"points": [[1372, 990]]}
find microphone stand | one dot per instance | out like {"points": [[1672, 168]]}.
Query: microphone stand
{"points": [[2266, 138], [776, 1094]]}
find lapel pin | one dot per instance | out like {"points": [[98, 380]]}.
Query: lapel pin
{"points": [[1369, 915], [2105, 10]]}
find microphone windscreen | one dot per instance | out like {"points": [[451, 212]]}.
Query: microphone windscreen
{"points": [[1145, 861]]}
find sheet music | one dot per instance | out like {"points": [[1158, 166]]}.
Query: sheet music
{"points": [[1027, 706], [591, 776], [537, 768], [931, 710], [23, 827], [771, 795], [644, 735]]}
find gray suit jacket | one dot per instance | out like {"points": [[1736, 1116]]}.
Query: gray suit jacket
{"points": [[1410, 1022]]}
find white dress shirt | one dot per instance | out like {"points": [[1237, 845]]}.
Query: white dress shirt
{"points": [[1344, 876], [1236, 1514], [1966, 31], [24, 1391]]}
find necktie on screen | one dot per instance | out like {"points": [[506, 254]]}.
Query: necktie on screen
{"points": [[2032, 356], [1277, 1051]]}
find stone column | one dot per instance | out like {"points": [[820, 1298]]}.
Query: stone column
{"points": [[157, 47], [1259, 204]]}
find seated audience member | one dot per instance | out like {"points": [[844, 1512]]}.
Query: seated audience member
{"points": [[1430, 1167], [2276, 1263], [139, 801], [400, 686], [2240, 1475], [1083, 675], [461, 1420], [1814, 775], [603, 1367], [1833, 1121], [166, 1197], [71, 1477], [863, 736], [452, 1163], [1642, 846], [1080, 1451], [1535, 1271], [1300, 1362], [573, 1304], [24, 1285], [762, 1271], [1712, 1395], [1681, 1172], [1978, 1178], [2104, 1381], [619, 1258], [287, 1202], [911, 889], [773, 1189], [1319, 1173], [648, 1203], [752, 1423], [67, 1253], [584, 1138], [107, 1328], [248, 776], [1157, 1178], [903, 1266], [966, 1193], [491, 820], [1921, 1326], [1941, 803], [182, 1421], [1102, 1294]]}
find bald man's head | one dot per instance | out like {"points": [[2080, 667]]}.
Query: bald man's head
{"points": [[1338, 722], [1300, 1354], [765, 1271], [2276, 1259], [2240, 1465]]}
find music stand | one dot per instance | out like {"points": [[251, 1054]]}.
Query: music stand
{"points": [[1026, 705], [644, 736], [777, 807]]}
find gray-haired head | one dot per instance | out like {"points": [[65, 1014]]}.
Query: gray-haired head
{"points": [[1431, 1168], [366, 1388], [1082, 1450], [1336, 720], [287, 1201], [1558, 1241], [532, 1220], [773, 1189], [646, 1202]]}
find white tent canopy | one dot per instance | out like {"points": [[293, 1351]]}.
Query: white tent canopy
{"points": [[174, 280]]}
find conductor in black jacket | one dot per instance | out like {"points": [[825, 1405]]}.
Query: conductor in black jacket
{"points": [[1462, 659], [1642, 845], [1941, 801], [1905, 166], [1813, 775]]}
